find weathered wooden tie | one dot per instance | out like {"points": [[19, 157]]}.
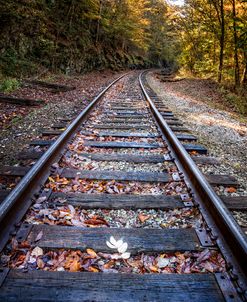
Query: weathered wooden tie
{"points": [[117, 201], [41, 142], [100, 144], [122, 127], [135, 158], [116, 175], [128, 134], [197, 148], [139, 240], [36, 286]]}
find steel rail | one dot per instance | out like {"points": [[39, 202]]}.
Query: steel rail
{"points": [[231, 239], [15, 205]]}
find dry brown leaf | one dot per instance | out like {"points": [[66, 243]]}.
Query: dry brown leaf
{"points": [[96, 220]]}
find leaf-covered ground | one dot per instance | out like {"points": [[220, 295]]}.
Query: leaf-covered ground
{"points": [[24, 257], [19, 124]]}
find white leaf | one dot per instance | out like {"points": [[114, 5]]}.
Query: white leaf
{"points": [[113, 241], [111, 246], [125, 255], [41, 199], [60, 269], [123, 248], [119, 243], [72, 209], [116, 256], [37, 251], [163, 262]]}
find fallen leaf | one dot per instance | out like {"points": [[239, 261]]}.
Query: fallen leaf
{"points": [[231, 190], [109, 264], [40, 263], [39, 236], [92, 253], [72, 209], [162, 262], [60, 269], [93, 269], [153, 268], [143, 217], [75, 266], [37, 251], [96, 221], [51, 179], [126, 255], [77, 223], [123, 248], [41, 199]]}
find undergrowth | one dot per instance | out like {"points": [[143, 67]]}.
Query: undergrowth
{"points": [[9, 85], [236, 99]]}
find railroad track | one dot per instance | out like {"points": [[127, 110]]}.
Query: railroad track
{"points": [[115, 209]]}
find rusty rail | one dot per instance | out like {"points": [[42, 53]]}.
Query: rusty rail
{"points": [[18, 201], [222, 226]]}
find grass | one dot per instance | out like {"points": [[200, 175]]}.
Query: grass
{"points": [[9, 85]]}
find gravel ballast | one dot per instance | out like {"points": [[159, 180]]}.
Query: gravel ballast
{"points": [[220, 131]]}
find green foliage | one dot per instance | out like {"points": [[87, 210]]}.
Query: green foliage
{"points": [[80, 35], [9, 85], [199, 24], [238, 100]]}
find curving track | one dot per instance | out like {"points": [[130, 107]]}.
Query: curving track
{"points": [[120, 169]]}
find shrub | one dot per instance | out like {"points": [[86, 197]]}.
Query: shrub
{"points": [[9, 85]]}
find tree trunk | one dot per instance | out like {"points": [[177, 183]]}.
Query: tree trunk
{"points": [[98, 23], [244, 79], [236, 67], [222, 40]]}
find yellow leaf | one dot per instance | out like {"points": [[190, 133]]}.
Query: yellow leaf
{"points": [[153, 268], [75, 266], [51, 179], [93, 269], [92, 253]]}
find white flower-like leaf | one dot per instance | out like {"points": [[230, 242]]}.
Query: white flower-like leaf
{"points": [[111, 246], [123, 248], [113, 243], [125, 255], [120, 246]]}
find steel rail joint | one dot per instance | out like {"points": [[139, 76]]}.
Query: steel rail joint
{"points": [[226, 224]]}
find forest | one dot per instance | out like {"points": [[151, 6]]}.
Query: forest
{"points": [[205, 38]]}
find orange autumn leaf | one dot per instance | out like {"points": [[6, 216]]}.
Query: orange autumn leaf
{"points": [[96, 220], [231, 190], [93, 269], [92, 253], [109, 264], [143, 217], [153, 268], [75, 266], [193, 153]]}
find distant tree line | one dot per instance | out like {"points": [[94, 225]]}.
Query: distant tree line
{"points": [[81, 35]]}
